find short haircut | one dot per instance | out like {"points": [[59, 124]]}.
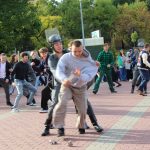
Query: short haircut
{"points": [[106, 44], [24, 54], [76, 43], [43, 50], [146, 45], [3, 54]]}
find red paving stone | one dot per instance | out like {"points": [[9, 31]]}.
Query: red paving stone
{"points": [[21, 131]]}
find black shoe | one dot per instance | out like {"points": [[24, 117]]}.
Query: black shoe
{"points": [[113, 91], [132, 89], [82, 131], [61, 132], [9, 104], [34, 101], [51, 126], [27, 103], [141, 93], [46, 131], [94, 92], [98, 128], [118, 85]]}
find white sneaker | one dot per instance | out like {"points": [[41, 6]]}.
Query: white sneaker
{"points": [[15, 110], [32, 104], [43, 111]]}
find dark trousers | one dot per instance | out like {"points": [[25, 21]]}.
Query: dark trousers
{"points": [[45, 96], [6, 89], [106, 72], [135, 76], [90, 111], [145, 78]]}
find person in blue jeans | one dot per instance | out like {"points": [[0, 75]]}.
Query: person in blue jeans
{"points": [[144, 68], [121, 59], [20, 74]]}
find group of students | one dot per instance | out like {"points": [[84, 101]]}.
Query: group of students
{"points": [[134, 66], [66, 74], [70, 74], [141, 68]]}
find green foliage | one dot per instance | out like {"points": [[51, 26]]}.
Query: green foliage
{"points": [[134, 36], [70, 12], [148, 4], [121, 2], [104, 17], [23, 22], [18, 24], [47, 7], [98, 15], [133, 17], [47, 22]]}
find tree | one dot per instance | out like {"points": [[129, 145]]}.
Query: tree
{"points": [[18, 25], [133, 17], [70, 12], [47, 12], [48, 22], [47, 7], [148, 4], [121, 2], [96, 15], [103, 18], [134, 37]]}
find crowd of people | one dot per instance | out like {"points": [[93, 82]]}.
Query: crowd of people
{"points": [[67, 74]]}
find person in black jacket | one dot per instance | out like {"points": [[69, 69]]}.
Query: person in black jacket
{"points": [[46, 92], [20, 73], [35, 63], [5, 69]]}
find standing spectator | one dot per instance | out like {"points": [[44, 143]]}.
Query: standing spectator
{"points": [[20, 73], [76, 69], [121, 59], [35, 63], [5, 69], [144, 68], [13, 61], [31, 78], [46, 92], [106, 62], [128, 66], [115, 75], [135, 62]]}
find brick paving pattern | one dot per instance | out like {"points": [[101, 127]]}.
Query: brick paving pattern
{"points": [[125, 118]]}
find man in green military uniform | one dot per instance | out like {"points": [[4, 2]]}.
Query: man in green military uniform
{"points": [[105, 58]]}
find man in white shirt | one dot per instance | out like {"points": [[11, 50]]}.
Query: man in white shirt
{"points": [[5, 69], [144, 68]]}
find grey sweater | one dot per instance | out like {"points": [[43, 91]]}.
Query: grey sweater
{"points": [[67, 65]]}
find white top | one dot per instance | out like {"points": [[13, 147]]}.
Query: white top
{"points": [[145, 61], [2, 70]]}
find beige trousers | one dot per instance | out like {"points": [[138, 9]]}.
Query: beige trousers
{"points": [[79, 96]]}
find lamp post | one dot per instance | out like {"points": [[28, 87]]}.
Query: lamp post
{"points": [[82, 25]]}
